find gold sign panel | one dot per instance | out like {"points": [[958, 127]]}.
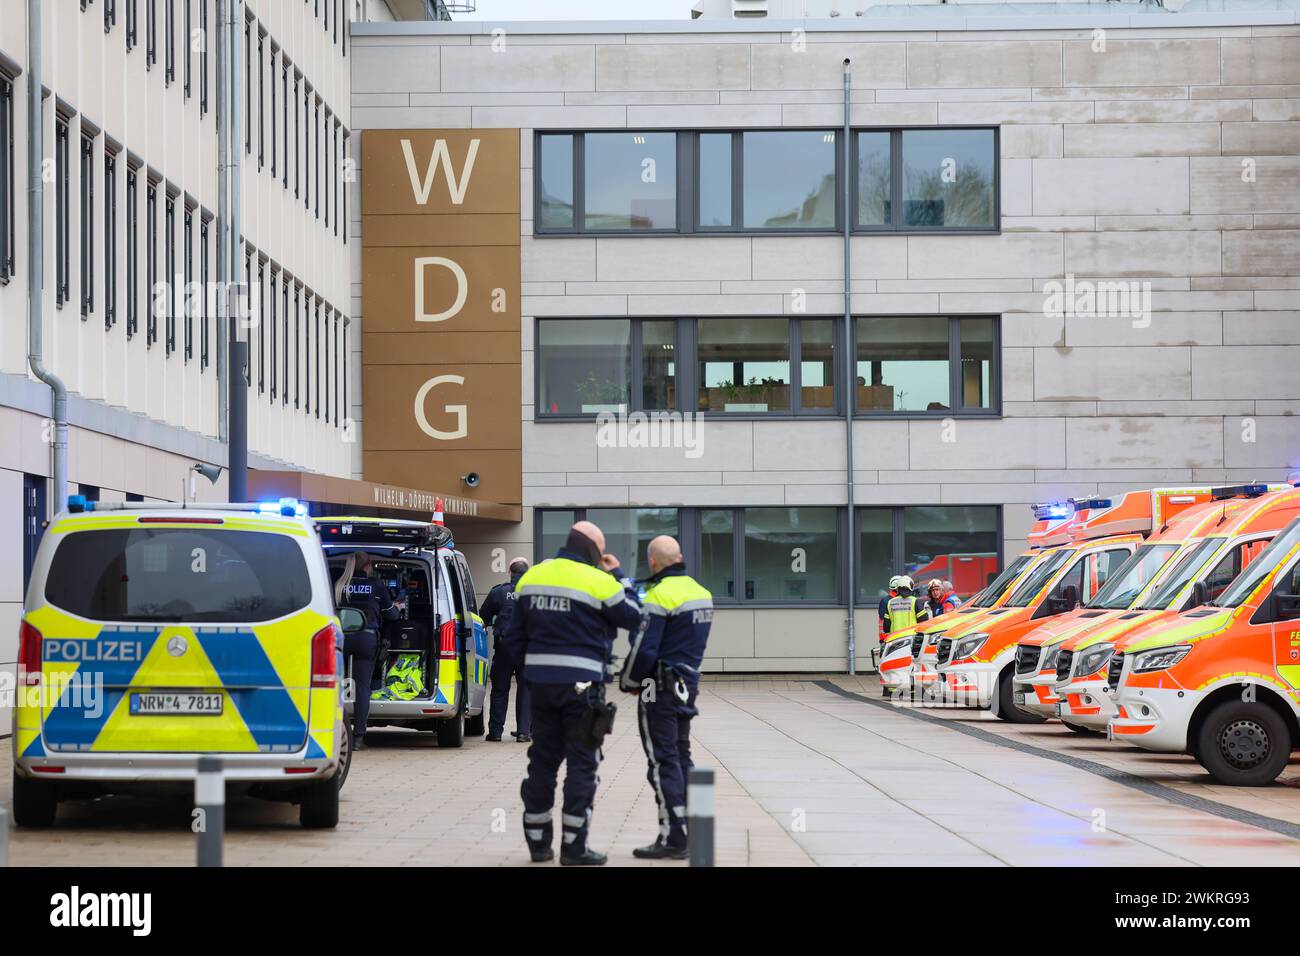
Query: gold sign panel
{"points": [[440, 310]]}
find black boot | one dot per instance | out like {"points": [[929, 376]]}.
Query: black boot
{"points": [[659, 850], [539, 836], [584, 857]]}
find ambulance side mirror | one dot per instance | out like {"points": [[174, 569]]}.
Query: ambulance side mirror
{"points": [[352, 620], [1200, 594], [1287, 606]]}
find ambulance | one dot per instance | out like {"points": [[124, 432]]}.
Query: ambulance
{"points": [[156, 633], [1229, 537], [1114, 607], [1221, 681], [976, 662]]}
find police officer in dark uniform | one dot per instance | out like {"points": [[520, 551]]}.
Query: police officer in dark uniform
{"points": [[357, 588], [663, 667], [567, 613], [497, 609]]}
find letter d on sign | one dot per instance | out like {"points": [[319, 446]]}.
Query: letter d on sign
{"points": [[462, 288], [460, 411]]}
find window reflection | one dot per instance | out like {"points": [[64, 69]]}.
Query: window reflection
{"points": [[789, 179], [948, 178], [631, 181], [744, 366], [902, 364]]}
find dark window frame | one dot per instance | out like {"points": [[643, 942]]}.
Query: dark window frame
{"points": [[86, 250], [688, 198], [151, 259], [132, 18], [898, 543], [150, 33], [954, 371], [187, 41], [169, 260], [205, 228], [187, 266], [110, 15], [272, 319], [8, 215], [261, 324], [203, 57], [132, 250], [795, 341], [261, 98], [169, 38], [62, 252], [110, 238]]}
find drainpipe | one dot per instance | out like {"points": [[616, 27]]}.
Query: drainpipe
{"points": [[36, 258], [219, 300], [237, 405], [850, 379]]}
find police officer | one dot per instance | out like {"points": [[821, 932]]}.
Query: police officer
{"points": [[663, 666], [357, 588], [904, 608], [567, 613], [496, 612]]}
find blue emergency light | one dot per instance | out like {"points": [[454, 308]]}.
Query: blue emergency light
{"points": [[1053, 509], [289, 507], [1239, 491], [79, 503], [1081, 504]]}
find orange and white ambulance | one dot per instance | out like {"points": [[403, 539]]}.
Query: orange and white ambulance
{"points": [[1221, 681], [976, 662], [1113, 609], [1229, 535]]}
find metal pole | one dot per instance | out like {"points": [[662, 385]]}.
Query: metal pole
{"points": [[218, 300], [4, 837], [237, 383], [36, 257], [210, 801], [699, 816], [850, 379]]}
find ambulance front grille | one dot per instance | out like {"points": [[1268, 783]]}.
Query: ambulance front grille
{"points": [[945, 650], [1063, 660], [1116, 668], [918, 641], [1027, 659]]}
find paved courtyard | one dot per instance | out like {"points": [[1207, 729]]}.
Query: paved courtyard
{"points": [[809, 771]]}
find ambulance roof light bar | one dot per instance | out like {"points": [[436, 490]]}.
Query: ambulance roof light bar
{"points": [[1240, 491], [1053, 510], [287, 507]]}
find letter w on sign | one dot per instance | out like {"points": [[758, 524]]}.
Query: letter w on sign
{"points": [[456, 186]]}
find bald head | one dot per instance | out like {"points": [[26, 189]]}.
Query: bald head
{"points": [[592, 533], [663, 552]]}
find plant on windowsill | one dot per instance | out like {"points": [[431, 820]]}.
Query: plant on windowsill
{"points": [[600, 394]]}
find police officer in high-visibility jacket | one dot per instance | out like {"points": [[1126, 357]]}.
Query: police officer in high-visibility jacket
{"points": [[904, 609], [663, 667], [567, 614]]}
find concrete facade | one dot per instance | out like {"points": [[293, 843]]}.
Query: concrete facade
{"points": [[1167, 155]]}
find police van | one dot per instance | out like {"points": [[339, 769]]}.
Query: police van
{"points": [[434, 661], [156, 633]]}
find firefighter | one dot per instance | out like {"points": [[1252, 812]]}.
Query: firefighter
{"points": [[663, 667], [942, 597], [567, 613], [904, 609]]}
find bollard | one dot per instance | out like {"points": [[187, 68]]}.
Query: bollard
{"points": [[699, 823], [210, 799], [4, 837]]}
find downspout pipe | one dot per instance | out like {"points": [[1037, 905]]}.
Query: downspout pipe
{"points": [[36, 258], [239, 298], [850, 378], [218, 300]]}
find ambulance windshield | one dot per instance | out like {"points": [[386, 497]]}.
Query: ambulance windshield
{"points": [[1240, 590], [1188, 566], [1127, 583], [1039, 577], [990, 594]]}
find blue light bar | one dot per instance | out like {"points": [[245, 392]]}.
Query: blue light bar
{"points": [[1053, 509], [289, 507], [79, 503], [1080, 504], [1239, 491]]}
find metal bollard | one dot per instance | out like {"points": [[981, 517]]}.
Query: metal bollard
{"points": [[699, 820], [4, 837], [210, 800]]}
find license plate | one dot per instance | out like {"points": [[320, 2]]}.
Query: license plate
{"points": [[161, 705], [1060, 710], [1018, 697]]}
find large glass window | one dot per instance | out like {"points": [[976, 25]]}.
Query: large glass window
{"points": [[770, 555], [717, 564], [948, 178], [61, 214], [627, 532], [875, 178], [906, 364], [715, 178], [87, 225], [555, 168], [957, 543], [744, 365], [584, 366], [658, 364], [7, 211], [630, 181], [789, 179]]}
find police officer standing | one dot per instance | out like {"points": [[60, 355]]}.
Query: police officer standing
{"points": [[567, 613], [663, 666], [497, 609], [357, 588]]}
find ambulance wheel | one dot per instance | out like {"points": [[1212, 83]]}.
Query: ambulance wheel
{"points": [[1244, 744], [451, 732], [35, 802], [1004, 707], [319, 809], [1082, 730], [476, 726]]}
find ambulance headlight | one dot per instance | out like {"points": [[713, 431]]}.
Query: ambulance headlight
{"points": [[1049, 657], [968, 646], [1093, 659], [894, 647], [1159, 659]]}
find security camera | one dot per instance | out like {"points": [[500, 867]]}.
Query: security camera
{"points": [[471, 480]]}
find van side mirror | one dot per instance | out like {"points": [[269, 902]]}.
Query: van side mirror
{"points": [[1200, 594], [1288, 606], [352, 620]]}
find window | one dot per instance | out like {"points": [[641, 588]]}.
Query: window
{"points": [[316, 159], [284, 338], [87, 178], [327, 337], [110, 14], [297, 345], [186, 42], [150, 33], [328, 163], [61, 252], [274, 149], [875, 179], [188, 295], [347, 368], [261, 326], [261, 99], [770, 555], [169, 38], [927, 364], [110, 239], [343, 185], [630, 181], [34, 493], [272, 331], [203, 57], [7, 214], [132, 251], [170, 275], [948, 178], [151, 260], [131, 16], [957, 543], [583, 366], [627, 532], [715, 160], [338, 366], [205, 320], [788, 179], [336, 177], [284, 114], [316, 360], [297, 138], [744, 365]]}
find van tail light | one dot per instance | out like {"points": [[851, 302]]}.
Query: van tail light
{"points": [[324, 657], [447, 639], [29, 656]]}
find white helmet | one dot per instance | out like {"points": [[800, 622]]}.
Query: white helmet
{"points": [[897, 581]]}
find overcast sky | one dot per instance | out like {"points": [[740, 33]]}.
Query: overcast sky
{"points": [[579, 10]]}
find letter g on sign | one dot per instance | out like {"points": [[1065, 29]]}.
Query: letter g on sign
{"points": [[460, 411]]}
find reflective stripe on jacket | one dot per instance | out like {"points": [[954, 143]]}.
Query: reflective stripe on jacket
{"points": [[678, 612]]}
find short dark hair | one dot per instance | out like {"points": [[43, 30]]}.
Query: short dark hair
{"points": [[518, 567]]}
